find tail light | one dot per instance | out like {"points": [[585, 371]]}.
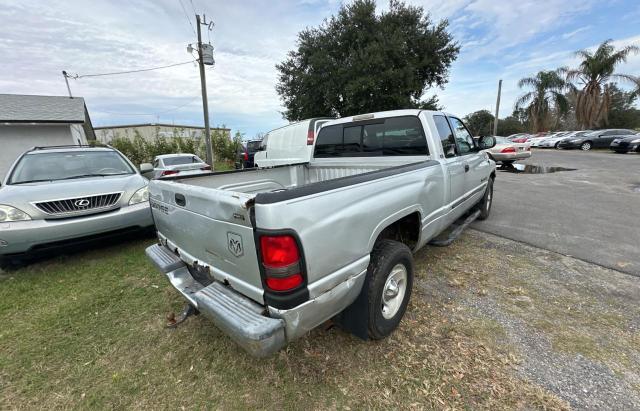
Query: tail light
{"points": [[310, 137], [246, 156], [169, 172], [508, 150], [205, 168], [281, 262]]}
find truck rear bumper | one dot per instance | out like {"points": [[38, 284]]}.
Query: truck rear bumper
{"points": [[246, 321], [237, 316]]}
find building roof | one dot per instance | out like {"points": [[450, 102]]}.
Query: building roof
{"points": [[17, 108], [157, 125]]}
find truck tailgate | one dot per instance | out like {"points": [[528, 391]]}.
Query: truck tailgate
{"points": [[211, 228]]}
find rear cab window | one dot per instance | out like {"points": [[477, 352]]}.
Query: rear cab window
{"points": [[393, 136]]}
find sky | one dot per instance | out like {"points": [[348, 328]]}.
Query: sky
{"points": [[504, 40]]}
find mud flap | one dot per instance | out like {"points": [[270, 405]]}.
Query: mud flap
{"points": [[354, 318]]}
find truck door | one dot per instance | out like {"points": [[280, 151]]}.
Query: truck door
{"points": [[453, 162], [476, 166]]}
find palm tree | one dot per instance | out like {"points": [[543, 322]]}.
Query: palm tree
{"points": [[545, 99], [596, 73]]}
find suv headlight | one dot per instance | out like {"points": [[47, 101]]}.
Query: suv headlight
{"points": [[140, 196], [8, 213]]}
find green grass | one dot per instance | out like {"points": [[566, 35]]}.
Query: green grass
{"points": [[87, 331]]}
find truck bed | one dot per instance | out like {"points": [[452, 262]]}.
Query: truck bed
{"points": [[224, 209], [255, 181]]}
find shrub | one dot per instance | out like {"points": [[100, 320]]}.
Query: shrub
{"points": [[139, 150]]}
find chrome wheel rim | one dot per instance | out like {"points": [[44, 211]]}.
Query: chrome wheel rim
{"points": [[586, 146], [394, 290]]}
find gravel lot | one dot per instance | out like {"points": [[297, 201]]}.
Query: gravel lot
{"points": [[574, 327], [591, 213]]}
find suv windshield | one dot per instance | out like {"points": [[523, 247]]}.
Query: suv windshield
{"points": [[176, 161], [39, 166], [254, 145]]}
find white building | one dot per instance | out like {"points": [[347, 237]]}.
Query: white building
{"points": [[28, 121], [149, 131]]}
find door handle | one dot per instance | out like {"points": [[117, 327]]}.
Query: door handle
{"points": [[180, 200], [466, 168]]}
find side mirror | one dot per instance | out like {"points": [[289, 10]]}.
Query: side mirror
{"points": [[146, 168], [485, 142]]}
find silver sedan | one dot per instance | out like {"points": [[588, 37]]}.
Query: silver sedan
{"points": [[506, 152], [178, 164]]}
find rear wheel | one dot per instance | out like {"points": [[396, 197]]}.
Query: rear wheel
{"points": [[586, 146], [557, 146], [485, 204], [390, 275]]}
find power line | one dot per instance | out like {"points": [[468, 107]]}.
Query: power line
{"points": [[76, 76], [154, 114], [193, 8], [187, 16]]}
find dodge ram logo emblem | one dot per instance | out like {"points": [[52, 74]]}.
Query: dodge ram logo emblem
{"points": [[234, 243], [82, 203]]}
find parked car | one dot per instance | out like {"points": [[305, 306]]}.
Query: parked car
{"points": [[517, 135], [597, 139], [269, 254], [506, 152], [535, 141], [624, 145], [554, 141], [521, 139], [183, 164], [290, 144], [248, 152], [57, 196]]}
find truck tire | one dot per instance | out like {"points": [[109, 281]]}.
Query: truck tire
{"points": [[390, 274], [485, 204]]}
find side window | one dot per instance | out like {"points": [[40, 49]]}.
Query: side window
{"points": [[463, 138], [446, 136], [394, 136]]}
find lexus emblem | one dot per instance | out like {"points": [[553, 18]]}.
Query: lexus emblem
{"points": [[82, 203]]}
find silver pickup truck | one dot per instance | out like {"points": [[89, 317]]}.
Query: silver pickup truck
{"points": [[269, 254]]}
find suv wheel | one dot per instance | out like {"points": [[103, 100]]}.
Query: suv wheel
{"points": [[390, 275], [586, 146]]}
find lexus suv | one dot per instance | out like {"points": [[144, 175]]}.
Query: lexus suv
{"points": [[54, 197]]}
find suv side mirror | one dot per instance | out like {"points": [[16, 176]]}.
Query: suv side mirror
{"points": [[146, 168], [485, 142]]}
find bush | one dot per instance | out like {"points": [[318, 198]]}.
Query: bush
{"points": [[139, 150]]}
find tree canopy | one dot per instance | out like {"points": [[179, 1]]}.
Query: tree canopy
{"points": [[595, 73], [480, 123], [545, 99], [359, 61]]}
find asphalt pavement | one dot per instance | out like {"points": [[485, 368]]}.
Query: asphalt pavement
{"points": [[591, 213]]}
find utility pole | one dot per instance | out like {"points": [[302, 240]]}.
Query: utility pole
{"points": [[495, 121], [205, 103], [66, 80]]}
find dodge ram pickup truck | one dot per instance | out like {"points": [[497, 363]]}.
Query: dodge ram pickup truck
{"points": [[268, 254]]}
